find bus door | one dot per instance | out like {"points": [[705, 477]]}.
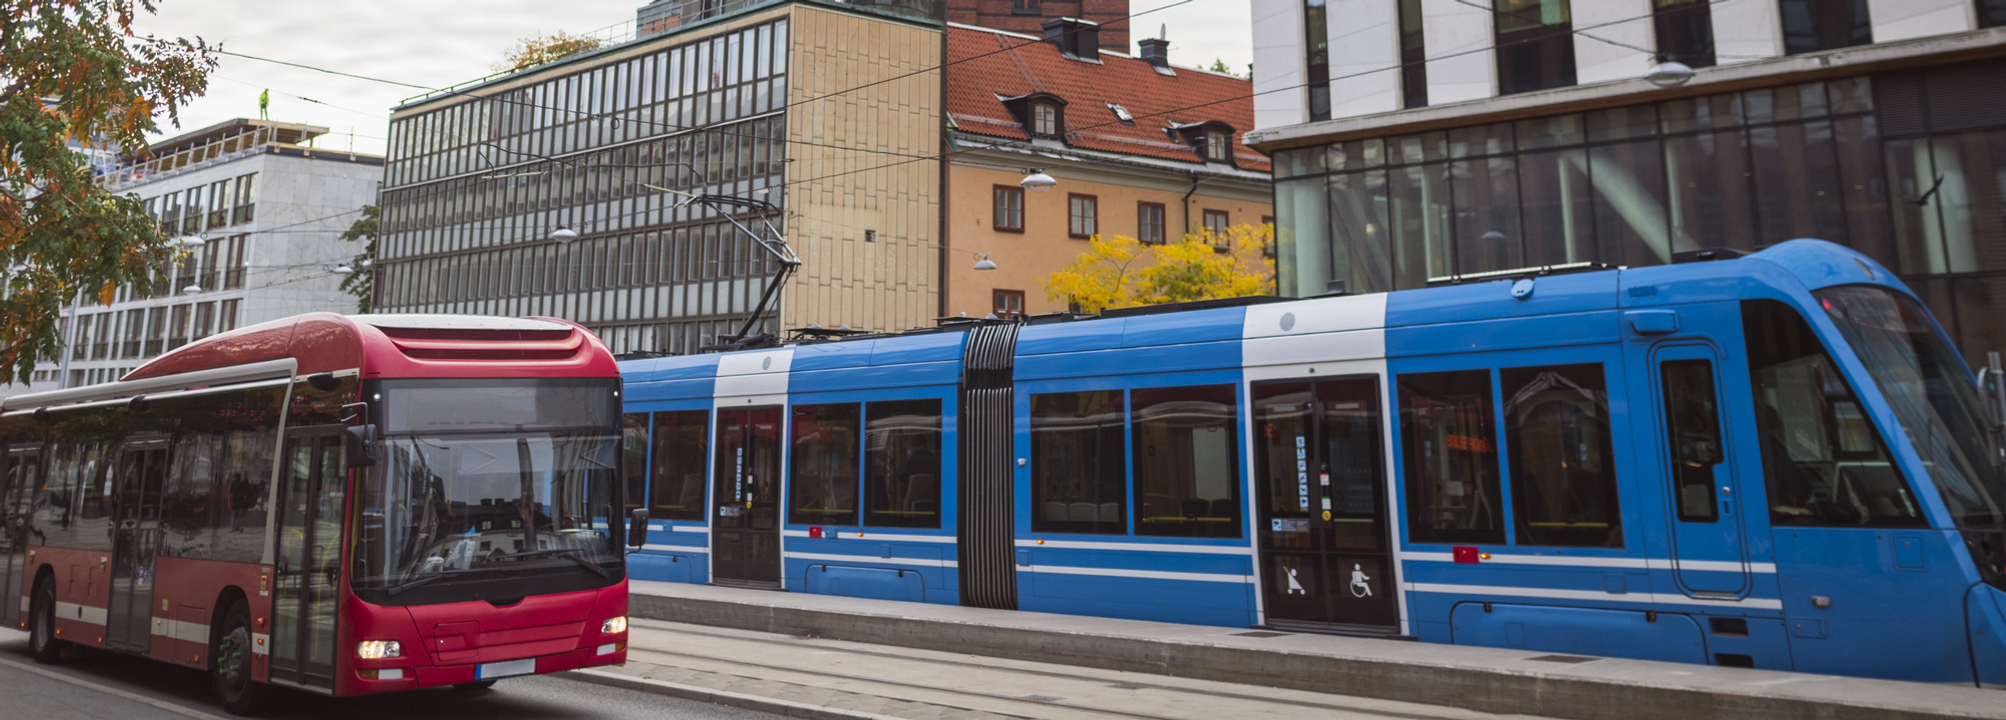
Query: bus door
{"points": [[135, 528], [1709, 547], [308, 572], [1325, 543], [745, 506], [17, 480]]}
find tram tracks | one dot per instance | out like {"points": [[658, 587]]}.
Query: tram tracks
{"points": [[990, 686]]}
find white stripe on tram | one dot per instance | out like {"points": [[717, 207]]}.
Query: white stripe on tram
{"points": [[1756, 603]]}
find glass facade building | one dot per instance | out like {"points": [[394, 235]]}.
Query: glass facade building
{"points": [[1908, 167]]}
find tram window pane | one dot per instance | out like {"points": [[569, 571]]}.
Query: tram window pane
{"points": [[824, 464], [634, 456], [676, 475], [1563, 479], [1079, 475], [1692, 424], [1822, 461], [1187, 477], [903, 459], [1449, 442]]}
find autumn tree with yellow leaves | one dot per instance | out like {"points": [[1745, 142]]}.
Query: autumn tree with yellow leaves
{"points": [[76, 71], [1123, 272], [539, 49]]}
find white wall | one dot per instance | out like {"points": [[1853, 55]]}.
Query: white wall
{"points": [[1448, 28], [1904, 19], [1745, 30], [1365, 45], [1278, 63], [1599, 61]]}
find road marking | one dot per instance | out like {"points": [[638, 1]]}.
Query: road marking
{"points": [[107, 689]]}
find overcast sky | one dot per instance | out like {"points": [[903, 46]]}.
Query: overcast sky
{"points": [[436, 43]]}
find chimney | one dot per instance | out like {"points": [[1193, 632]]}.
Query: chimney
{"points": [[1156, 51], [1077, 39]]}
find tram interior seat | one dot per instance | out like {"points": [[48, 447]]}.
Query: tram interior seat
{"points": [[1055, 510], [1111, 512], [1224, 508], [1082, 512]]}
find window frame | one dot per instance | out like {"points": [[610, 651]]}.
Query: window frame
{"points": [[1076, 220], [996, 295], [1218, 147], [1143, 226], [1000, 195], [1044, 119], [1222, 228]]}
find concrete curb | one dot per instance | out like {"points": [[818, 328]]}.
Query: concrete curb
{"points": [[776, 706], [1472, 678]]}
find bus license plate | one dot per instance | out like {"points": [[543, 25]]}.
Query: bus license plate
{"points": [[509, 668]]}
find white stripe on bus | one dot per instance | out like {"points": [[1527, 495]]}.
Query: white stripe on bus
{"points": [[80, 613]]}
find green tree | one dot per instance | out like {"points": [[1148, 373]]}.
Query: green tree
{"points": [[75, 71], [362, 282], [539, 49], [1123, 272], [1219, 66]]}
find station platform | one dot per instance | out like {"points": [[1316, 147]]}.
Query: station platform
{"points": [[1487, 680]]}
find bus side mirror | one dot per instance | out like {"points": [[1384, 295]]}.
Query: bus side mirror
{"points": [[359, 444], [637, 529]]}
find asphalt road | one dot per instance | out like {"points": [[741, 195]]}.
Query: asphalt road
{"points": [[115, 687]]}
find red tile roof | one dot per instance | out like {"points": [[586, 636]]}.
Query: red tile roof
{"points": [[986, 63]]}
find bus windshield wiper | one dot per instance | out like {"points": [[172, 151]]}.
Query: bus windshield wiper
{"points": [[394, 589], [563, 553]]}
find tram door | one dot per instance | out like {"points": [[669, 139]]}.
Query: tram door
{"points": [[142, 473], [1709, 556], [23, 470], [1326, 549], [745, 503], [308, 572]]}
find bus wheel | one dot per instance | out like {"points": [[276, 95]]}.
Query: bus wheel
{"points": [[42, 642], [475, 686], [231, 660]]}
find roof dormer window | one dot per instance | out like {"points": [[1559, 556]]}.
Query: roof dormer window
{"points": [[1217, 144], [1044, 120], [1041, 114], [1210, 140]]}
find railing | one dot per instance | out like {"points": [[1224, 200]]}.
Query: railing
{"points": [[215, 151]]}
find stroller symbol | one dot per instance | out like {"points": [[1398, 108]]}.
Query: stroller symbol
{"points": [[1295, 588], [1359, 588]]}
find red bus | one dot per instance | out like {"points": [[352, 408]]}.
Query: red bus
{"points": [[339, 504]]}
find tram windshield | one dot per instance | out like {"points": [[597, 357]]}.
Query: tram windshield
{"points": [[1932, 393]]}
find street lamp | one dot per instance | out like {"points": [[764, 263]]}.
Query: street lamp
{"points": [[191, 290], [564, 234], [984, 263], [1669, 74], [342, 269], [1037, 181]]}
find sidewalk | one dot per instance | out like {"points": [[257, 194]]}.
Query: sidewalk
{"points": [[1485, 680]]}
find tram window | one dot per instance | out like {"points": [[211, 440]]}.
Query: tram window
{"points": [[1692, 426], [1187, 477], [676, 476], [1563, 479], [1448, 437], [903, 459], [824, 464], [634, 458], [1823, 463], [1079, 472]]}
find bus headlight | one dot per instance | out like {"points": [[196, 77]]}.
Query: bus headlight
{"points": [[378, 649], [614, 625]]}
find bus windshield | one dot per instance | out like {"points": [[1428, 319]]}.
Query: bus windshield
{"points": [[441, 507], [1932, 393]]}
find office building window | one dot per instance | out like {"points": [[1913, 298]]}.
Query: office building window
{"points": [[1991, 13], [1316, 37], [1149, 222], [1216, 224], [1813, 25], [246, 200], [1083, 216], [178, 326], [1009, 208], [1413, 56], [205, 320], [135, 334], [1045, 120], [1007, 304], [219, 203], [232, 257], [156, 325], [1685, 31], [226, 316], [1535, 45], [192, 213]]}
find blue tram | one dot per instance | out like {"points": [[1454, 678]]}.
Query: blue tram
{"points": [[1775, 460]]}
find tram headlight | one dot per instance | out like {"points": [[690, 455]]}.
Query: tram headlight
{"points": [[613, 625], [378, 649]]}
